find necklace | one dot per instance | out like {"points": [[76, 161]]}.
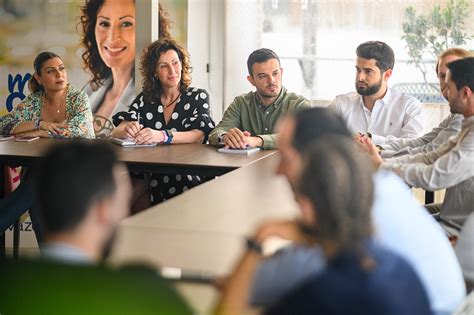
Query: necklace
{"points": [[59, 105], [173, 100]]}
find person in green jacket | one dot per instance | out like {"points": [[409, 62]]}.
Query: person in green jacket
{"points": [[251, 118], [83, 191]]}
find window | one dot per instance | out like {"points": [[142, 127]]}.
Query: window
{"points": [[316, 40]]}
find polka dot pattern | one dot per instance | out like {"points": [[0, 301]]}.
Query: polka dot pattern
{"points": [[192, 111]]}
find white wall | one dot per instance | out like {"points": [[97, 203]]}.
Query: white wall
{"points": [[206, 24]]}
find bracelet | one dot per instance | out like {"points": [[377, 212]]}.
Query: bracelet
{"points": [[169, 136], [165, 136], [263, 141], [37, 123], [253, 245]]}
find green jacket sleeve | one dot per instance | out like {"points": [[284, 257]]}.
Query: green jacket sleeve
{"points": [[269, 141], [230, 120]]}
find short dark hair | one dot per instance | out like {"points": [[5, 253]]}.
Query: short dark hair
{"points": [[259, 56], [40, 59], [381, 52], [70, 178], [338, 182], [314, 123], [462, 72]]}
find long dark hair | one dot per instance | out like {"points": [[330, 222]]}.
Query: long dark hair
{"points": [[91, 57], [92, 60], [338, 182], [40, 59], [152, 88]]}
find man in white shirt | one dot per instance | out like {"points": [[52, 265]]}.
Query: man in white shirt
{"points": [[451, 165], [465, 251], [377, 110], [446, 129]]}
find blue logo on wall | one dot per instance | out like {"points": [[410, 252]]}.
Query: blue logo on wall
{"points": [[16, 86]]}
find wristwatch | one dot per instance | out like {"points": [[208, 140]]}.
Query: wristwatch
{"points": [[253, 245], [220, 139], [37, 123], [169, 134]]}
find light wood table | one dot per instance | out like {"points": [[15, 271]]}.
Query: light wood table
{"points": [[204, 228], [193, 159], [231, 204]]}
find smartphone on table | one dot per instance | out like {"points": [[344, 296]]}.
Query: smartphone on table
{"points": [[6, 137], [26, 138]]}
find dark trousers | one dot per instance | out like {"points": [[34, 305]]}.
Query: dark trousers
{"points": [[17, 203]]}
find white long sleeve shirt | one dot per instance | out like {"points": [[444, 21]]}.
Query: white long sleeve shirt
{"points": [[394, 116], [465, 248], [449, 127], [450, 166], [402, 226]]}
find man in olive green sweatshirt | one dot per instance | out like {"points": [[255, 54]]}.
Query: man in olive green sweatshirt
{"points": [[251, 119]]}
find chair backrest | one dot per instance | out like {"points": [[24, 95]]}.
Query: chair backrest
{"points": [[102, 127]]}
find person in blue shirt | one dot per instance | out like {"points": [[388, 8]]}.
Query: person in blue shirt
{"points": [[400, 224], [335, 192]]}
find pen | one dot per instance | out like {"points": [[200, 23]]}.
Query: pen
{"points": [[178, 274]]}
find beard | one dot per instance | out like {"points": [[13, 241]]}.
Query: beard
{"points": [[369, 89], [264, 94]]}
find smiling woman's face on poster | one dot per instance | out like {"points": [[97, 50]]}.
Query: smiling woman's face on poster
{"points": [[115, 33]]}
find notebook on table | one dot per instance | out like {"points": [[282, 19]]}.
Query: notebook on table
{"points": [[130, 143], [246, 151]]}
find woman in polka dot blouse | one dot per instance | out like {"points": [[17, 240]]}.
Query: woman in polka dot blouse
{"points": [[167, 111]]}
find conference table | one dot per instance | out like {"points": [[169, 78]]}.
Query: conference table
{"points": [[195, 159], [203, 229]]}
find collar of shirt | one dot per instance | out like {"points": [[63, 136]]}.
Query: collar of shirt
{"points": [[385, 100], [273, 105], [65, 253], [468, 121]]}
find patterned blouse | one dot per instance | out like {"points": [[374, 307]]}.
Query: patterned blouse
{"points": [[78, 114], [192, 111]]}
